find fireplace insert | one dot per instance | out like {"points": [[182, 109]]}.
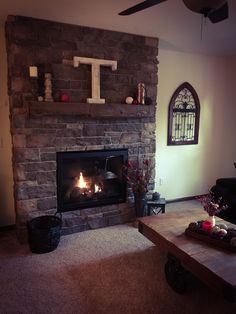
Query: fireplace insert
{"points": [[90, 178]]}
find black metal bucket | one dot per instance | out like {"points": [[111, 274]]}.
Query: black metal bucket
{"points": [[44, 233]]}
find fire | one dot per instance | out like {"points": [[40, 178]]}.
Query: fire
{"points": [[85, 185], [97, 188], [81, 183]]}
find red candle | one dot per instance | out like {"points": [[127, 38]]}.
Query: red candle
{"points": [[207, 226]]}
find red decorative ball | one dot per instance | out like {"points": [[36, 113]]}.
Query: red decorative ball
{"points": [[65, 98]]}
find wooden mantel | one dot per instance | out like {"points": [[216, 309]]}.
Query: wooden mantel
{"points": [[91, 110]]}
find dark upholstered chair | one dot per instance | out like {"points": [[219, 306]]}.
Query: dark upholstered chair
{"points": [[226, 188]]}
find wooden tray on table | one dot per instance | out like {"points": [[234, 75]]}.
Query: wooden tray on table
{"points": [[209, 238]]}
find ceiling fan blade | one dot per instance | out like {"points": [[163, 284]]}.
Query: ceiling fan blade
{"points": [[220, 14], [141, 6]]}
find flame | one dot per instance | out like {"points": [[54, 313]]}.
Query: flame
{"points": [[97, 188], [81, 183]]}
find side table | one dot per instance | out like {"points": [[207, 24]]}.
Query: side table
{"points": [[156, 207]]}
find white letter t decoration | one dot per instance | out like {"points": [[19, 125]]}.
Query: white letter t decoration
{"points": [[95, 63]]}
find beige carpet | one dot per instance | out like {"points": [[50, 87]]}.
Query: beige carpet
{"points": [[114, 270]]}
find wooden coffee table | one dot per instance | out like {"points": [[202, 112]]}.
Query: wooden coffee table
{"points": [[188, 257]]}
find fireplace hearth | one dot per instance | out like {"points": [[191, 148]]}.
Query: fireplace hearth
{"points": [[90, 178]]}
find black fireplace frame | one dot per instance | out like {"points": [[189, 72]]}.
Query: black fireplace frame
{"points": [[60, 156]]}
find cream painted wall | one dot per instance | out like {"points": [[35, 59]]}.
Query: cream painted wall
{"points": [[230, 118], [7, 212], [189, 170]]}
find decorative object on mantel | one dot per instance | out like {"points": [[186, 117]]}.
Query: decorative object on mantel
{"points": [[33, 73], [36, 74], [148, 101], [141, 93], [138, 179], [64, 97], [140, 97], [95, 64], [129, 100], [48, 87], [41, 71]]}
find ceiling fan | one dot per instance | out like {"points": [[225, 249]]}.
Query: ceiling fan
{"points": [[215, 10]]}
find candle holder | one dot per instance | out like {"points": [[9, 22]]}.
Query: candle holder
{"points": [[48, 87], [33, 73], [207, 226]]}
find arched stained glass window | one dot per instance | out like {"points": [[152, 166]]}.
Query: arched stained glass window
{"points": [[183, 119]]}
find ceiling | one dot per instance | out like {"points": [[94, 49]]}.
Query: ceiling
{"points": [[177, 27]]}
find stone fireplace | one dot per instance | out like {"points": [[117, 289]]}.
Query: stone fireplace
{"points": [[40, 130]]}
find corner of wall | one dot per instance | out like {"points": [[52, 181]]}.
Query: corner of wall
{"points": [[6, 176]]}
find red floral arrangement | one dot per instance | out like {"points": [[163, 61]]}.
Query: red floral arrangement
{"points": [[138, 179], [210, 204]]}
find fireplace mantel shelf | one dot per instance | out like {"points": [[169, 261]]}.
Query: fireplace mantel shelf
{"points": [[91, 110]]}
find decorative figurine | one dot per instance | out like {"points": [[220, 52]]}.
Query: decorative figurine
{"points": [[48, 87], [141, 93]]}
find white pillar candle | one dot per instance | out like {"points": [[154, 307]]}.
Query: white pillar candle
{"points": [[33, 71]]}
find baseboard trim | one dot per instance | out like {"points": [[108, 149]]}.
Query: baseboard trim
{"points": [[182, 199]]}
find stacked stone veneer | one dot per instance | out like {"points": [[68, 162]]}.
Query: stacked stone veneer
{"points": [[36, 139]]}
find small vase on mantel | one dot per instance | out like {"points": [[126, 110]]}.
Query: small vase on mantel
{"points": [[140, 204], [212, 220]]}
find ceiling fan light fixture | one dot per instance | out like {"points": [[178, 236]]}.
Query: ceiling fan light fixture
{"points": [[204, 6]]}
